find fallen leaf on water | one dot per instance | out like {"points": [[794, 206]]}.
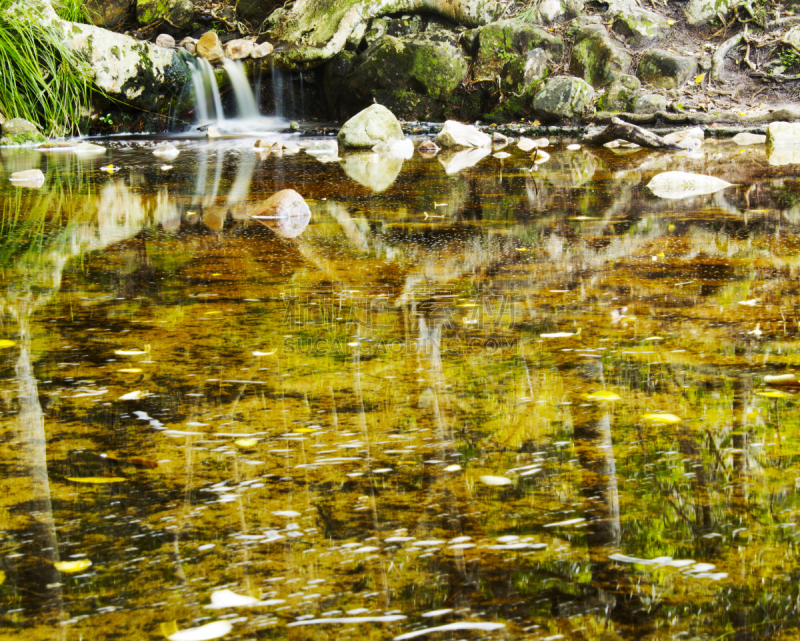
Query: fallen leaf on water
{"points": [[6, 343], [133, 396], [96, 479], [603, 395], [132, 352], [305, 430], [757, 331], [773, 394], [679, 184], [665, 419], [205, 632], [68, 567], [246, 442], [130, 370], [495, 480], [109, 168], [263, 353], [452, 468], [653, 338], [750, 303]]}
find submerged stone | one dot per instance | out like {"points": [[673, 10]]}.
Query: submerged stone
{"points": [[369, 127]]}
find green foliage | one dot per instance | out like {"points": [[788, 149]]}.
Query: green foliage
{"points": [[40, 79], [72, 10], [790, 57]]}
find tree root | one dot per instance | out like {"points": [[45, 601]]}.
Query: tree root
{"points": [[626, 131], [783, 114], [718, 59]]}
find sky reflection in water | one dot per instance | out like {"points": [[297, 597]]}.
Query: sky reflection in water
{"points": [[361, 430]]}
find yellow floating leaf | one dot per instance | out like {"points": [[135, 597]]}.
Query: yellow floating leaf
{"points": [[246, 442], [536, 123], [6, 343], [495, 480], [773, 394], [700, 78], [666, 419], [603, 395], [305, 430], [215, 312], [2, 577], [654, 338], [68, 567], [96, 479], [263, 353], [130, 370]]}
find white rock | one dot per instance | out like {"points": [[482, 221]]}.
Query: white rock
{"points": [[369, 127], [168, 151], [212, 132], [573, 147], [679, 184], [746, 138], [401, 148], [456, 134], [89, 148], [326, 147], [455, 161], [686, 137], [262, 50]]}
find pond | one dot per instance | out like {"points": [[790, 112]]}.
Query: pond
{"points": [[474, 398]]}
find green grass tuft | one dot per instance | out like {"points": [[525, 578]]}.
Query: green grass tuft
{"points": [[40, 79]]}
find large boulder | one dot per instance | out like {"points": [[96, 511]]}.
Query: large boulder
{"points": [[621, 95], [640, 27], [109, 14], [210, 48], [597, 58], [500, 41], [456, 134], [419, 69], [665, 69], [562, 97], [177, 13], [369, 127]]}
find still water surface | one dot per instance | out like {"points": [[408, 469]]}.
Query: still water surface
{"points": [[518, 404]]}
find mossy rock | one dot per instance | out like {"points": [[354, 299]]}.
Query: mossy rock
{"points": [[26, 138], [429, 64], [176, 13], [621, 94], [640, 27], [598, 59], [562, 97], [501, 41], [665, 69], [522, 72]]}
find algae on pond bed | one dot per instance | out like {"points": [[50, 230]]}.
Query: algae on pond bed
{"points": [[375, 368]]}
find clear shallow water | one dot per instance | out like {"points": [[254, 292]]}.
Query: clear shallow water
{"points": [[397, 337]]}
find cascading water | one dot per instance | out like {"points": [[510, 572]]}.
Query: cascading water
{"points": [[208, 103]]}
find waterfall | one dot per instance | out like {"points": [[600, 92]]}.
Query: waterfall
{"points": [[246, 107], [206, 91], [245, 116]]}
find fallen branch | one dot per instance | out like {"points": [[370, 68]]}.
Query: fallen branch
{"points": [[631, 133]]}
